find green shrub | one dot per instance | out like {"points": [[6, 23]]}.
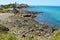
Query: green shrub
{"points": [[56, 36]]}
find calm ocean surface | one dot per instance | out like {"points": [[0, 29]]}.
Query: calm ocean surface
{"points": [[50, 16]]}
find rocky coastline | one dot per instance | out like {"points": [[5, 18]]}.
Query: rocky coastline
{"points": [[23, 24]]}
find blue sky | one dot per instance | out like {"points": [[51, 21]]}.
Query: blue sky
{"points": [[33, 2]]}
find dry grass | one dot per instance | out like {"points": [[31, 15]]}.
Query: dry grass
{"points": [[10, 36]]}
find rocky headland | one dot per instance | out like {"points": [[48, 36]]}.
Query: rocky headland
{"points": [[23, 24]]}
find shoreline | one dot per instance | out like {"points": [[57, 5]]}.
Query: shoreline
{"points": [[30, 25], [22, 23]]}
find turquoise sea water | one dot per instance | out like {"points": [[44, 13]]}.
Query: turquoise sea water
{"points": [[50, 16]]}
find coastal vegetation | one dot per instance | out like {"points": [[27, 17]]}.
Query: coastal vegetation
{"points": [[11, 36], [9, 7]]}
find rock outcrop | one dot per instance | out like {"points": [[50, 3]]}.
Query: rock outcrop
{"points": [[25, 25], [3, 28]]}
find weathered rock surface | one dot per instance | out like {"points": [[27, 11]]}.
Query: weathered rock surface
{"points": [[26, 26]]}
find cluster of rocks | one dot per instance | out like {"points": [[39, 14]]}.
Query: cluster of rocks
{"points": [[25, 25], [3, 28]]}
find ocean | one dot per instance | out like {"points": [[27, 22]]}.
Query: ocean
{"points": [[50, 15]]}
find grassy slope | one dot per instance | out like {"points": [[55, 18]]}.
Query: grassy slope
{"points": [[56, 36], [10, 36]]}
